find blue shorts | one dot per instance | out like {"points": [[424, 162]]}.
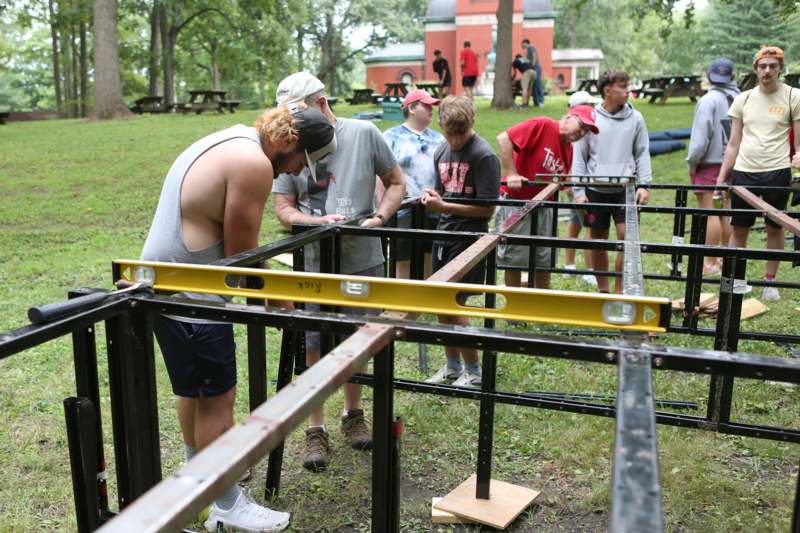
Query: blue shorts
{"points": [[200, 358]]}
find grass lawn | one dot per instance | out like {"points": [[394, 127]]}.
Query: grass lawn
{"points": [[76, 195]]}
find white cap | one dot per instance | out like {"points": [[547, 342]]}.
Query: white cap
{"points": [[297, 87], [583, 98]]}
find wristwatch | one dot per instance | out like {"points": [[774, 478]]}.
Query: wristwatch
{"points": [[378, 215]]}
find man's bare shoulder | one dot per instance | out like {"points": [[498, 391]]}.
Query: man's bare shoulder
{"points": [[244, 159]]}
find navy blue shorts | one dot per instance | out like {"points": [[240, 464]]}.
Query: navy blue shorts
{"points": [[200, 358]]}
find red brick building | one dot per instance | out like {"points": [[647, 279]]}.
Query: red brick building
{"points": [[448, 23]]}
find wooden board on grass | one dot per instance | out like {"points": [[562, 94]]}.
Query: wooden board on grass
{"points": [[284, 259], [752, 307], [443, 517], [505, 503], [706, 299]]}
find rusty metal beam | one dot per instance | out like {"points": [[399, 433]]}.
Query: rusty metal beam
{"points": [[776, 215], [177, 500]]}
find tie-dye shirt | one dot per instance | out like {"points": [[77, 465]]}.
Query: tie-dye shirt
{"points": [[414, 153]]}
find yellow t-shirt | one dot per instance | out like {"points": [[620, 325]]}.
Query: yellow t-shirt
{"points": [[765, 128]]}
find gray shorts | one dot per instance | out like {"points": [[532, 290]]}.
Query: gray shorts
{"points": [[313, 338], [509, 255], [576, 217]]}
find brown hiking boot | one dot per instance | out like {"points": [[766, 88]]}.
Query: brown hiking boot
{"points": [[357, 430], [316, 458]]}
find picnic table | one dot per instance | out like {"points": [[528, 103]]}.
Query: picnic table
{"points": [[432, 87], [395, 92], [748, 81], [149, 104], [590, 86], [360, 96], [665, 87], [208, 100], [3, 116]]}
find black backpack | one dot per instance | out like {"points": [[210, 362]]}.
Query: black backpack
{"points": [[725, 122]]}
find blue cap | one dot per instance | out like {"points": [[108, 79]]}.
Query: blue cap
{"points": [[721, 71]]}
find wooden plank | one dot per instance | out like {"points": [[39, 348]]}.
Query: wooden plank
{"points": [[752, 307], [284, 259], [773, 214], [706, 299], [443, 517], [505, 503]]}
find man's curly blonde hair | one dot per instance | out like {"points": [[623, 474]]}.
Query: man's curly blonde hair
{"points": [[276, 126], [456, 115]]}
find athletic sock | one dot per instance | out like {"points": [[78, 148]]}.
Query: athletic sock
{"points": [[474, 369], [454, 365], [191, 451], [227, 499]]}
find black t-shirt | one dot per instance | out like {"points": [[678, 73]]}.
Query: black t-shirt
{"points": [[471, 172], [522, 65], [442, 69]]}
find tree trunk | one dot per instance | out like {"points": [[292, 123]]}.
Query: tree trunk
{"points": [[56, 57], [75, 75], [108, 102], [300, 36], [503, 96], [153, 67], [66, 63], [84, 68], [327, 64], [213, 67], [167, 57], [261, 96]]}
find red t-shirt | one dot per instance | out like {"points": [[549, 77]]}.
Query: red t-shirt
{"points": [[470, 62], [538, 149]]}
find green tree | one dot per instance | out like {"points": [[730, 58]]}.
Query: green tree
{"points": [[741, 27], [628, 42], [331, 22]]}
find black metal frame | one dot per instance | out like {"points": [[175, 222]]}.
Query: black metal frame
{"points": [[132, 381]]}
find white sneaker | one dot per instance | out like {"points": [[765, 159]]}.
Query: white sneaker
{"points": [[444, 376], [248, 516], [468, 379], [590, 279], [569, 267], [771, 294]]}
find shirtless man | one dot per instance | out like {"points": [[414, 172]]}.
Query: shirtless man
{"points": [[211, 206]]}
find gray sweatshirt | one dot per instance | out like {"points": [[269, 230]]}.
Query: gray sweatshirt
{"points": [[707, 144], [622, 148]]}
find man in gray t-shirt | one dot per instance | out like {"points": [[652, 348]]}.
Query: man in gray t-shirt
{"points": [[343, 187]]}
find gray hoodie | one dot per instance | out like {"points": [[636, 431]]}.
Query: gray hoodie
{"points": [[622, 148], [707, 144]]}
